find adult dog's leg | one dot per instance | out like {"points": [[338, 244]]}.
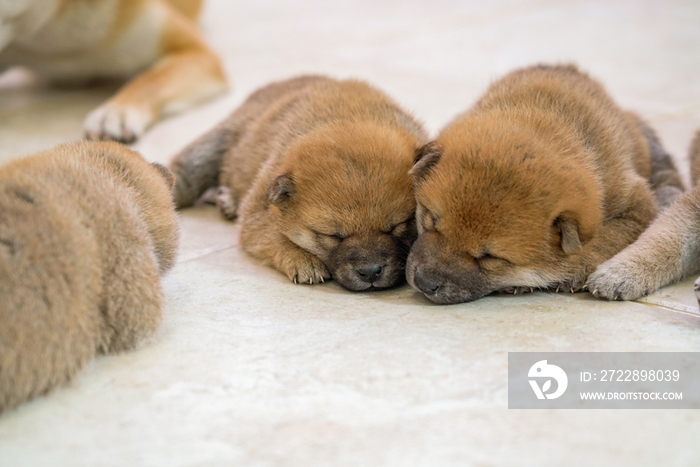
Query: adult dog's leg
{"points": [[186, 73]]}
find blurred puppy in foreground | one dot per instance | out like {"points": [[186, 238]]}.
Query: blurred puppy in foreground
{"points": [[86, 229], [538, 183], [156, 41], [668, 251], [318, 170]]}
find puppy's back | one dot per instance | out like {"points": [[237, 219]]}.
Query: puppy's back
{"points": [[694, 155], [268, 122], [306, 112], [50, 281], [79, 260], [147, 186], [197, 166], [582, 104]]}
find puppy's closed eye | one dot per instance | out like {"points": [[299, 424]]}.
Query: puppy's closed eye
{"points": [[402, 228], [329, 240], [486, 257], [489, 261], [427, 220]]}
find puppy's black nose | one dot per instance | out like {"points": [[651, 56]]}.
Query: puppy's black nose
{"points": [[370, 273], [426, 285]]}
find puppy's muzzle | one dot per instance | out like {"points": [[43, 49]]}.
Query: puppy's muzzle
{"points": [[370, 274], [443, 277], [442, 287], [367, 262], [426, 284]]}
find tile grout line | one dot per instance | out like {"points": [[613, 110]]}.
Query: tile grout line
{"points": [[684, 310], [206, 252]]}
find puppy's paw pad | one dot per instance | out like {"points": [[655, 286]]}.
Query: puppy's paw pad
{"points": [[226, 203], [114, 122]]}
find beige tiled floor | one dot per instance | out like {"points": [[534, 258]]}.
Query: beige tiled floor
{"points": [[249, 369]]}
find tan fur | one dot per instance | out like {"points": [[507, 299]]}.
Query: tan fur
{"points": [[694, 157], [668, 251], [80, 40], [319, 168], [85, 231], [541, 181], [189, 8]]}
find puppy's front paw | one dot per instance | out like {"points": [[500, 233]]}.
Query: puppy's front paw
{"points": [[226, 203], [304, 268], [616, 280], [113, 121], [517, 290], [571, 285]]}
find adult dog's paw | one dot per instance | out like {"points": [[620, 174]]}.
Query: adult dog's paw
{"points": [[113, 121]]}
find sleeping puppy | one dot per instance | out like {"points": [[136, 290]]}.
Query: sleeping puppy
{"points": [[86, 229], [541, 181], [69, 40], [668, 251], [318, 169]]}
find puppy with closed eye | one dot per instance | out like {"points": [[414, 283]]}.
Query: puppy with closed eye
{"points": [[533, 187], [318, 170]]}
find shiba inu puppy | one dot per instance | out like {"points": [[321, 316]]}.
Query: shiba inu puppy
{"points": [[541, 181], [85, 231], [318, 169], [668, 251], [78, 40]]}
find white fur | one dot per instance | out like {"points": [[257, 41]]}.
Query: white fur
{"points": [[127, 123], [22, 18], [75, 44]]}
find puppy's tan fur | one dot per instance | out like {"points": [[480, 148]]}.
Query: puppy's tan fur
{"points": [[85, 231], [666, 252], [319, 168], [77, 40], [541, 181]]}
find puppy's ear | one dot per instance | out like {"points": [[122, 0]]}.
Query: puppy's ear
{"points": [[573, 235], [579, 214], [426, 157], [281, 190], [167, 174]]}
